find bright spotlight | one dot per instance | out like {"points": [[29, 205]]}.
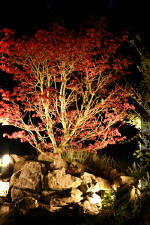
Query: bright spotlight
{"points": [[5, 160], [95, 199]]}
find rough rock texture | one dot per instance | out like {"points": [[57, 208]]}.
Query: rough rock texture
{"points": [[56, 163], [17, 194], [89, 208], [14, 179], [57, 185], [76, 195], [30, 176], [127, 180], [58, 180], [27, 203], [91, 183]]}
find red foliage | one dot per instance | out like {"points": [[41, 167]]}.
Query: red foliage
{"points": [[63, 98]]}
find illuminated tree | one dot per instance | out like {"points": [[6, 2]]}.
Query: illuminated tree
{"points": [[67, 95], [143, 92], [142, 96]]}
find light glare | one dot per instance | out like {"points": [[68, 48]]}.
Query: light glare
{"points": [[4, 187], [95, 199], [5, 160]]}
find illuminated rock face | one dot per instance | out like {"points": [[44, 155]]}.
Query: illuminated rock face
{"points": [[38, 181], [59, 180], [91, 183], [30, 176], [4, 187]]}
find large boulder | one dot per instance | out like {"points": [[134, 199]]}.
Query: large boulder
{"points": [[128, 180], [91, 183], [88, 208], [59, 180], [28, 179], [30, 176]]}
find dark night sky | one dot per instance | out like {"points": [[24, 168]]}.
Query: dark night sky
{"points": [[29, 15]]}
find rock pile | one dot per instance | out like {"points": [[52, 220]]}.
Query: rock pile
{"points": [[41, 183], [38, 182]]}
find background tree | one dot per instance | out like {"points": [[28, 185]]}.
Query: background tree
{"points": [[67, 94], [142, 96]]}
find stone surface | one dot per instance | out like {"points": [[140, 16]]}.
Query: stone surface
{"points": [[26, 203], [91, 183], [18, 158], [76, 195], [56, 163], [76, 168], [14, 179], [19, 165], [89, 208], [43, 157], [104, 184], [17, 194], [58, 186], [30, 176], [59, 180], [127, 194], [127, 180]]}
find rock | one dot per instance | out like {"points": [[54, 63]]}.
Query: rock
{"points": [[56, 163], [43, 157], [95, 199], [116, 183], [91, 183], [104, 184], [28, 179], [2, 200], [46, 195], [127, 180], [59, 200], [30, 176], [14, 179], [113, 174], [19, 165], [59, 180], [4, 209], [17, 194], [76, 195], [62, 198], [89, 208], [18, 158], [26, 203], [126, 195], [76, 168]]}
